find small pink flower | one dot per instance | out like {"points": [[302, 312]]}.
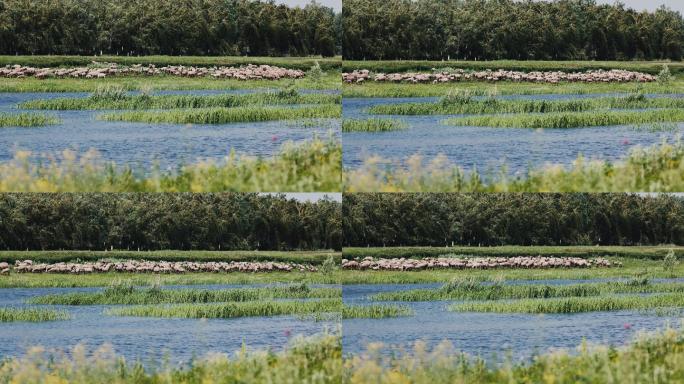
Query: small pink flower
{"points": [[625, 142], [287, 333], [274, 138], [627, 326]]}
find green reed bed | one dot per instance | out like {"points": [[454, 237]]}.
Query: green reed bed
{"points": [[375, 311], [571, 119], [127, 294], [658, 168], [473, 290], [230, 310], [125, 101], [26, 120], [314, 359], [372, 125], [574, 304], [226, 115], [469, 105], [31, 315]]}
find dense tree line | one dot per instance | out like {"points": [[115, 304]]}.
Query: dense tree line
{"points": [[166, 27], [98, 221], [508, 29], [434, 219]]}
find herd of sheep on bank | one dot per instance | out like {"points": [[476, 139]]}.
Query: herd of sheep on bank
{"points": [[367, 263], [553, 77], [141, 266], [404, 264], [99, 71]]}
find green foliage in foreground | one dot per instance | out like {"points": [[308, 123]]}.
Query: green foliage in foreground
{"points": [[493, 105], [226, 115], [126, 293], [574, 304], [380, 89], [26, 120], [308, 257], [470, 289], [179, 101], [230, 310], [316, 359], [309, 166], [650, 359], [372, 125], [637, 252], [31, 314], [572, 119], [658, 168]]}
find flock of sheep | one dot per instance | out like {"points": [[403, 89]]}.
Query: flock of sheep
{"points": [[553, 77], [99, 71], [142, 266], [403, 264]]}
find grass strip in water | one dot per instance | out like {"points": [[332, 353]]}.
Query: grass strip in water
{"points": [[574, 304], [375, 311], [372, 125], [473, 290], [127, 294], [226, 115], [468, 105], [124, 101], [314, 359], [31, 315], [571, 119], [658, 168], [231, 310], [26, 120], [313, 165]]}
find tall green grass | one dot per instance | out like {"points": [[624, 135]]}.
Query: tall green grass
{"points": [[380, 89], [127, 294], [658, 168], [650, 359], [312, 165], [302, 63], [26, 120], [632, 252], [493, 105], [572, 119], [574, 304], [473, 290], [304, 257], [372, 125], [226, 115], [230, 310], [375, 311], [179, 101], [31, 315], [652, 67], [315, 359]]}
